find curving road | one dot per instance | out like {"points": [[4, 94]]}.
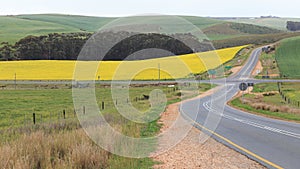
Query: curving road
{"points": [[273, 143]]}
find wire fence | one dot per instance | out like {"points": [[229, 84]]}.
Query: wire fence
{"points": [[287, 99]]}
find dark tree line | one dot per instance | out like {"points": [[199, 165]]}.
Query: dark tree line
{"points": [[177, 44], [68, 46], [293, 26], [51, 47]]}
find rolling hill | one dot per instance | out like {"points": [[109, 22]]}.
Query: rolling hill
{"points": [[231, 30], [13, 28], [275, 23], [83, 23]]}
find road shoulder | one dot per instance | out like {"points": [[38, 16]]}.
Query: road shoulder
{"points": [[190, 153]]}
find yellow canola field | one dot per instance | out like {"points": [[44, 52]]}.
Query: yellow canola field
{"points": [[173, 67]]}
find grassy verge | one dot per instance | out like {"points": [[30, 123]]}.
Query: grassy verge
{"points": [[277, 115], [267, 100]]}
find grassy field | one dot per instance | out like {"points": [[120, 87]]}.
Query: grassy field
{"points": [[50, 101], [55, 142], [170, 67], [287, 56], [228, 30], [84, 23], [276, 23], [13, 29], [266, 100]]}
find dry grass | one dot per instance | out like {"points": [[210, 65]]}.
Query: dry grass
{"points": [[70, 149], [258, 104]]}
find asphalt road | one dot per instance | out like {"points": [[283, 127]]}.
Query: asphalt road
{"points": [[273, 143]]}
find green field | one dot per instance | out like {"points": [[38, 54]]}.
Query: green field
{"points": [[287, 56], [276, 23], [49, 101], [13, 28], [84, 23]]}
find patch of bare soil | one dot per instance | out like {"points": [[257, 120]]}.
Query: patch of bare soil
{"points": [[258, 69], [274, 75], [190, 153], [236, 69]]}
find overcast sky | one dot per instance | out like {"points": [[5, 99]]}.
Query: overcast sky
{"points": [[286, 8]]}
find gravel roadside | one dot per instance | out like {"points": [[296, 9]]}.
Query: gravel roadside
{"points": [[189, 153]]}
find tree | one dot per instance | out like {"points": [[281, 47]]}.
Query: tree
{"points": [[293, 26], [6, 52]]}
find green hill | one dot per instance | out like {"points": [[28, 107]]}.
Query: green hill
{"points": [[288, 56], [202, 22], [228, 30], [275, 23], [13, 29], [85, 23]]}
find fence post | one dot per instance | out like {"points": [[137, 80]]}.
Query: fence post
{"points": [[83, 109], [64, 113], [33, 118], [103, 105], [25, 119]]}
